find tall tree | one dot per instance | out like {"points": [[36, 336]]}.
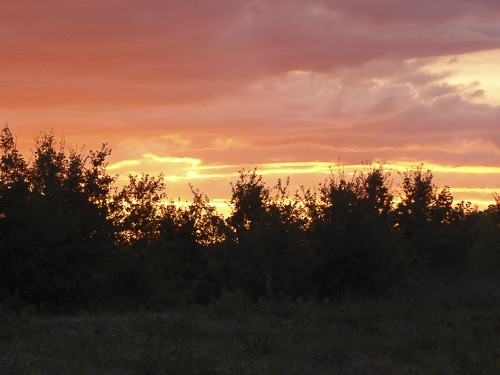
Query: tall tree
{"points": [[137, 210], [351, 237], [418, 195], [53, 232], [14, 191], [248, 199], [427, 219]]}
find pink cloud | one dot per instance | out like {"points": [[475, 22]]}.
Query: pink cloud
{"points": [[176, 50], [233, 82]]}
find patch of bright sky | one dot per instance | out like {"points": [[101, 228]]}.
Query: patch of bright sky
{"points": [[446, 169], [478, 67], [123, 164]]}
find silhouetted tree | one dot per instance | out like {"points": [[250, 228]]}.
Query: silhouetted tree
{"points": [[248, 198], [427, 219], [278, 238], [197, 221], [351, 237], [69, 238], [481, 233], [137, 209], [417, 198], [14, 191], [265, 250], [53, 226]]}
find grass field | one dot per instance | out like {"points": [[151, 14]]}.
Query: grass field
{"points": [[236, 336]]}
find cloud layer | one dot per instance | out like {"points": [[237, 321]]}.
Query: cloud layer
{"points": [[243, 83]]}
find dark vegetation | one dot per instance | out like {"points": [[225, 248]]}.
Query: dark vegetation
{"points": [[234, 336], [353, 277], [71, 240]]}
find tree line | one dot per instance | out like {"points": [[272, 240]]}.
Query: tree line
{"points": [[71, 239]]}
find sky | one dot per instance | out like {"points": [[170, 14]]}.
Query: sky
{"points": [[199, 89]]}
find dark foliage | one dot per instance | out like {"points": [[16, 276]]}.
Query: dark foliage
{"points": [[71, 240]]}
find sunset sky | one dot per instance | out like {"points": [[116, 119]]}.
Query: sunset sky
{"points": [[198, 89]]}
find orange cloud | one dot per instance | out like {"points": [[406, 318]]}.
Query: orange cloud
{"points": [[199, 89]]}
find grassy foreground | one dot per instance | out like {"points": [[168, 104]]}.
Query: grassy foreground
{"points": [[235, 336]]}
